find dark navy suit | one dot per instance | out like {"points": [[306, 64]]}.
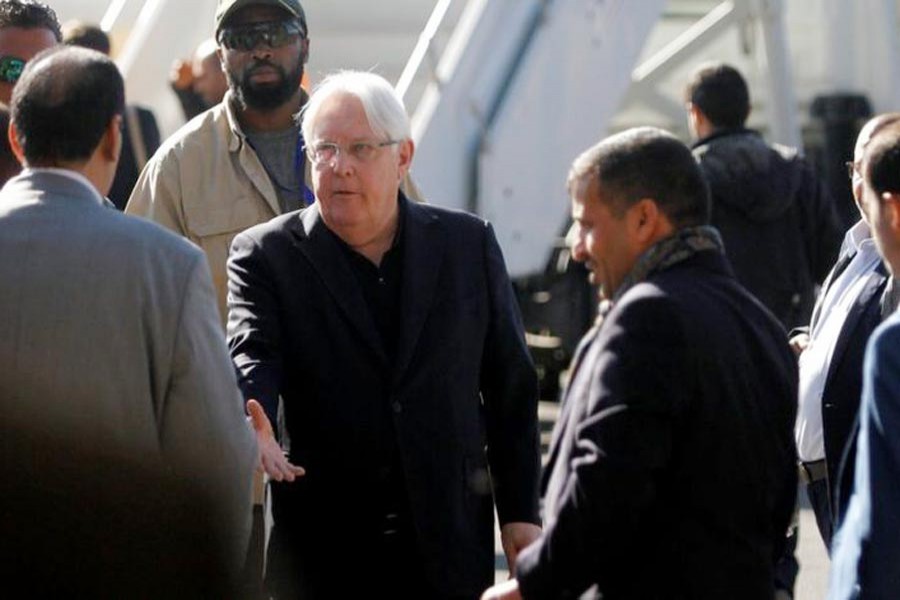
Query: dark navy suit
{"points": [[866, 557], [672, 470]]}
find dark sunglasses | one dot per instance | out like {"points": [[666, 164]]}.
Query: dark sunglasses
{"points": [[274, 34], [11, 68]]}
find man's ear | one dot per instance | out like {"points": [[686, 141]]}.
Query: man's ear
{"points": [[14, 145], [111, 143], [305, 45], [890, 205], [645, 220], [405, 154]]}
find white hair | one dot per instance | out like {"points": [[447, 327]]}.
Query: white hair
{"points": [[384, 109]]}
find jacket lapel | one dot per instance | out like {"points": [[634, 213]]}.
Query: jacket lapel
{"points": [[874, 284], [839, 267], [327, 258], [423, 253], [564, 420]]}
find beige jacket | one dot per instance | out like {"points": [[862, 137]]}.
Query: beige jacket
{"points": [[207, 184]]}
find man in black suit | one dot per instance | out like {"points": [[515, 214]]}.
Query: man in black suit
{"points": [[671, 471], [389, 331], [831, 353]]}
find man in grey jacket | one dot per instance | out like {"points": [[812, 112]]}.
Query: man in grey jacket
{"points": [[109, 332]]}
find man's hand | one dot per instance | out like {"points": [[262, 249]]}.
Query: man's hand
{"points": [[515, 537], [271, 457], [508, 590], [799, 343], [181, 75]]}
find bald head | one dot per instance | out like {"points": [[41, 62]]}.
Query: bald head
{"points": [[64, 103], [868, 130]]}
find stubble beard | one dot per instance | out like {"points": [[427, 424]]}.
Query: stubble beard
{"points": [[268, 96]]}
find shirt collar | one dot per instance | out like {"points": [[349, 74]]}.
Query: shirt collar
{"points": [[68, 173], [856, 238]]}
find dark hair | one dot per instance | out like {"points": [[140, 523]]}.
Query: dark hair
{"points": [[76, 33], [882, 159], [720, 92], [647, 162], [27, 14], [63, 103]]}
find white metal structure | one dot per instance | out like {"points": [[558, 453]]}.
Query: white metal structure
{"points": [[526, 85], [523, 85]]}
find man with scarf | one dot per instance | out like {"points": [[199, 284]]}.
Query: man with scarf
{"points": [[672, 470]]}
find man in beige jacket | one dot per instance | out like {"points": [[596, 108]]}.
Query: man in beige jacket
{"points": [[241, 162]]}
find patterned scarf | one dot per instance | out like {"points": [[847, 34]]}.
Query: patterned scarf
{"points": [[670, 251]]}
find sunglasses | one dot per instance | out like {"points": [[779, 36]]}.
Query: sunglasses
{"points": [[11, 68], [274, 34]]}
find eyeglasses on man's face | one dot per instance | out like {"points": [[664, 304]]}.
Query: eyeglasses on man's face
{"points": [[11, 68], [274, 34], [325, 153]]}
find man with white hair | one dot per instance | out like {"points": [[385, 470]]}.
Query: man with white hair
{"points": [[390, 331]]}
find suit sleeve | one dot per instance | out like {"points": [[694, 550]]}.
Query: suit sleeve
{"points": [[509, 389], [157, 194], [622, 443], [254, 336], [203, 429]]}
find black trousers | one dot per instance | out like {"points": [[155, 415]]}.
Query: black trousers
{"points": [[817, 491], [389, 566]]}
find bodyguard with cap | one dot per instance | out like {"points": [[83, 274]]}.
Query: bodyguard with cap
{"points": [[241, 162]]}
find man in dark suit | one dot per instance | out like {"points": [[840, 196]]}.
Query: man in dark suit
{"points": [[831, 356], [389, 330], [867, 546], [671, 471]]}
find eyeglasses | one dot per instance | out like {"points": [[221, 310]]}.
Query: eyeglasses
{"points": [[274, 34], [11, 68], [852, 168], [325, 153]]}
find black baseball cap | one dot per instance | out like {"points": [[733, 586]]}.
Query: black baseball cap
{"points": [[226, 8]]}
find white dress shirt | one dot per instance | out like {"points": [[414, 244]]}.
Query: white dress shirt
{"points": [[839, 298]]}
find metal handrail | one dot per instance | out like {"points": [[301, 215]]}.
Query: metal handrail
{"points": [[112, 14], [423, 48], [146, 20]]}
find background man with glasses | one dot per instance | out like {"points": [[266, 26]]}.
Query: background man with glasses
{"points": [[391, 333], [26, 28], [867, 546], [831, 352], [241, 162]]}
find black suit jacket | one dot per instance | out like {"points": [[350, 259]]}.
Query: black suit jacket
{"points": [[459, 398], [672, 471], [128, 169], [843, 386]]}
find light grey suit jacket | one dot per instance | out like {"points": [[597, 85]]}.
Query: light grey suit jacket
{"points": [[109, 334]]}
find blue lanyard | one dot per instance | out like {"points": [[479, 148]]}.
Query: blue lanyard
{"points": [[300, 168]]}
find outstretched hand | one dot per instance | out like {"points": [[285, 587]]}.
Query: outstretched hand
{"points": [[271, 457]]}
